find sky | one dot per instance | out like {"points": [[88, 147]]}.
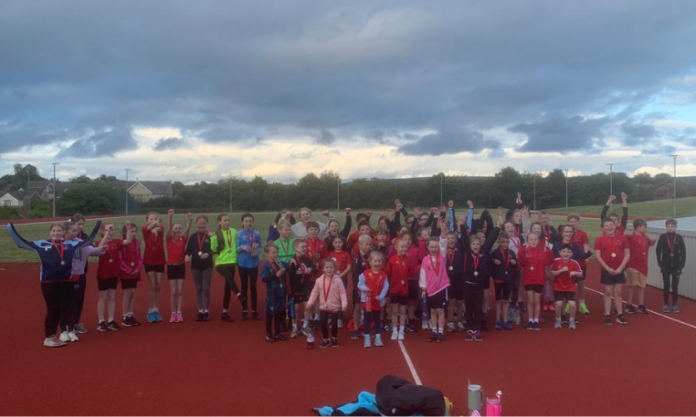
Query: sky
{"points": [[196, 91]]}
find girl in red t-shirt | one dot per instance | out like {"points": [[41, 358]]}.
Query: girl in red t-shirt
{"points": [[107, 276], [176, 265], [153, 236], [130, 263], [343, 264], [612, 253]]}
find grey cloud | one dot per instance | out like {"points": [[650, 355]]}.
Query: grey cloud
{"points": [[326, 138], [169, 144], [101, 144], [448, 142], [663, 150], [561, 134], [637, 133]]}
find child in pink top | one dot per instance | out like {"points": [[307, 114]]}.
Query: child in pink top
{"points": [[434, 283], [332, 298]]}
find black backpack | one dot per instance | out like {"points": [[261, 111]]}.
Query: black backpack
{"points": [[398, 397]]}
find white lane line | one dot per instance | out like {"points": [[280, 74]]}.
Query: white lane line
{"points": [[653, 312], [412, 368]]}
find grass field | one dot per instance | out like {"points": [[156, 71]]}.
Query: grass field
{"points": [[686, 207], [10, 253]]}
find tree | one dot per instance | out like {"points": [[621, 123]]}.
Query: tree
{"points": [[82, 179], [643, 178], [20, 177], [663, 178], [94, 198]]}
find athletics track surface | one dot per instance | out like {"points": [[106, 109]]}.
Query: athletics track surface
{"points": [[645, 368]]}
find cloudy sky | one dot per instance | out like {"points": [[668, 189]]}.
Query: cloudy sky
{"points": [[192, 91]]}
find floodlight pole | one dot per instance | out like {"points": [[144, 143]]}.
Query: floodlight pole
{"points": [[55, 188], [674, 197]]}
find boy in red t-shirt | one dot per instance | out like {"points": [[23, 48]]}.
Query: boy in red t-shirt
{"points": [[612, 252], [637, 267], [565, 272], [579, 238]]}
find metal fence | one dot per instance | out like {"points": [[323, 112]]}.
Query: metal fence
{"points": [[687, 284]]}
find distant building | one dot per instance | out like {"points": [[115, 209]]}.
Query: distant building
{"points": [[144, 191], [12, 199]]}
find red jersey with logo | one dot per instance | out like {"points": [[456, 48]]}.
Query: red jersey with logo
{"points": [[534, 262], [176, 250], [375, 282], [611, 249], [130, 261], [639, 246], [563, 281], [109, 262], [154, 246], [316, 246], [399, 270], [342, 259]]}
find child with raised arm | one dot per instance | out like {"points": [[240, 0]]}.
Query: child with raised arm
{"points": [[199, 254], [671, 258], [275, 275], [434, 283], [398, 269], [534, 258], [108, 273], [613, 253], [637, 266], [374, 287], [334, 230], [620, 226], [300, 268], [176, 265], [580, 238], [248, 243], [330, 295], [56, 257], [223, 245], [343, 265], [154, 261], [130, 264], [565, 271]]}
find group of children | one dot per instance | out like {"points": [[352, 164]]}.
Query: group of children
{"points": [[433, 265]]}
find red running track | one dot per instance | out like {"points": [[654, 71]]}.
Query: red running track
{"points": [[645, 368]]}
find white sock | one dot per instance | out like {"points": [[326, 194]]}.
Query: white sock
{"points": [[305, 323], [401, 329], [439, 329]]}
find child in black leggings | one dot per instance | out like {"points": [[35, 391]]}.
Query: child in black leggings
{"points": [[671, 257], [275, 275], [330, 293]]}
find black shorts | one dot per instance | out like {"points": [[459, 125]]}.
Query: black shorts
{"points": [[176, 271], [609, 279], [401, 300], [486, 283], [127, 284], [564, 296], [457, 288], [414, 290], [502, 290], [107, 284], [308, 287], [536, 288], [154, 268], [298, 298], [438, 300]]}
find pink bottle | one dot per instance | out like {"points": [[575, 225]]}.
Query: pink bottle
{"points": [[493, 405]]}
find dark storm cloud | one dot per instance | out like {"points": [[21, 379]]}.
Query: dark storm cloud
{"points": [[326, 138], [561, 135], [101, 144], [638, 133], [230, 71], [169, 144], [449, 142]]}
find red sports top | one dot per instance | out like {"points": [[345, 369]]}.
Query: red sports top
{"points": [[176, 250], [154, 247], [580, 238], [109, 261], [131, 260], [639, 245], [342, 259], [534, 262], [611, 244], [398, 269], [563, 281]]}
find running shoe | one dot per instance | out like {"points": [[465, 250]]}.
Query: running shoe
{"points": [[440, 338], [378, 340], [675, 309], [255, 315], [630, 309], [158, 316], [558, 324], [607, 320], [126, 322], [507, 325], [102, 327], [206, 316], [326, 343], [401, 336], [64, 337], [521, 306], [306, 331], [498, 325], [395, 335], [537, 326], [530, 325], [226, 318], [245, 316], [583, 308], [199, 316], [546, 307], [666, 309], [642, 309], [469, 336], [621, 319], [53, 341], [80, 328], [173, 318], [451, 327], [270, 338], [280, 337], [432, 337], [355, 335], [114, 326], [73, 336], [179, 318], [133, 321], [571, 325], [552, 307], [334, 342], [367, 343], [294, 333], [151, 318], [461, 327], [478, 337]]}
